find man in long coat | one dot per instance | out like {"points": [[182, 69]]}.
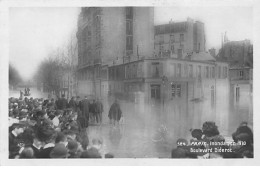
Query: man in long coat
{"points": [[73, 104], [115, 112], [84, 116], [99, 110], [62, 103]]}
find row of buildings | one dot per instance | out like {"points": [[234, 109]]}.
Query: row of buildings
{"points": [[121, 53]]}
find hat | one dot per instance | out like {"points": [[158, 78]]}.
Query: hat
{"points": [[59, 151], [21, 124], [196, 133], [22, 113], [72, 146]]}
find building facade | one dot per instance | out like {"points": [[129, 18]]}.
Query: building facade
{"points": [[108, 35], [239, 55], [179, 37], [175, 89]]}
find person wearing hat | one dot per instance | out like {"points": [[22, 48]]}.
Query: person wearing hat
{"points": [[243, 134], [99, 111], [27, 153], [73, 104], [15, 144], [115, 113], [73, 148], [23, 115], [47, 135], [94, 151], [84, 107], [36, 146], [62, 103], [59, 151]]}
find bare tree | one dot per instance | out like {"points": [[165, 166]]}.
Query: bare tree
{"points": [[58, 72]]}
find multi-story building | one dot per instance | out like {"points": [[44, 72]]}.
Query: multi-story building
{"points": [[193, 88], [239, 55], [111, 34], [179, 38]]}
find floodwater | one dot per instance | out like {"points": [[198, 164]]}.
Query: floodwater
{"points": [[138, 136]]}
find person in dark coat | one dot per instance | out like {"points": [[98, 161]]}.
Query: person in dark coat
{"points": [[84, 116], [62, 103], [15, 144], [48, 136], [99, 111], [73, 104], [115, 113], [93, 110]]}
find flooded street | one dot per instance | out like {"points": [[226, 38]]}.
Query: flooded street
{"points": [[138, 135]]}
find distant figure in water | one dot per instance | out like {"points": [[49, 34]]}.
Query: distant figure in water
{"points": [[21, 94], [115, 113]]}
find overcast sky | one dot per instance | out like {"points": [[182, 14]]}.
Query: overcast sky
{"points": [[34, 32]]}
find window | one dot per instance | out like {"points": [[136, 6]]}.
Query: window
{"points": [[129, 27], [129, 43], [199, 71], [213, 72], [161, 39], [179, 70], [181, 37], [172, 48], [155, 69], [173, 90], [179, 53], [207, 72], [219, 72], [241, 73], [155, 92], [172, 69], [172, 39], [190, 70], [161, 48], [237, 93], [129, 12], [176, 90], [185, 70], [225, 72]]}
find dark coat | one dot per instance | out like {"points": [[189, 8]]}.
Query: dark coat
{"points": [[13, 145], [83, 116], [99, 107], [73, 105], [93, 108], [45, 153], [36, 151], [84, 107], [62, 104], [115, 112]]}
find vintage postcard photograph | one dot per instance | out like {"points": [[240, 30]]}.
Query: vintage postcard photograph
{"points": [[163, 80]]}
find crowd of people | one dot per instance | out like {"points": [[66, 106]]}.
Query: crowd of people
{"points": [[209, 143], [49, 128]]}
